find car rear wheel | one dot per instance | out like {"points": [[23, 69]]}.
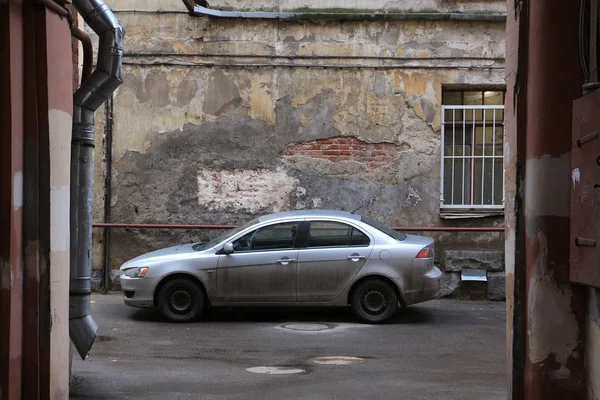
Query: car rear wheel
{"points": [[374, 301], [181, 300]]}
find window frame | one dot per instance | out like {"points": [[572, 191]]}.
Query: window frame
{"points": [[470, 205]]}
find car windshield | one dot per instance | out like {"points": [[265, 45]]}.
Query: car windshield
{"points": [[379, 226], [224, 235]]}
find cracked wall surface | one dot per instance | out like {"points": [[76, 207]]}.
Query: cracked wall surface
{"points": [[197, 141]]}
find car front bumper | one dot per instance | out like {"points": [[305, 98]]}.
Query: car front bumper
{"points": [[138, 292]]}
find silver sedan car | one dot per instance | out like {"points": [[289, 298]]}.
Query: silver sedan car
{"points": [[313, 258]]}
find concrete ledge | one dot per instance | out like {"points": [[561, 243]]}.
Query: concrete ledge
{"points": [[457, 260]]}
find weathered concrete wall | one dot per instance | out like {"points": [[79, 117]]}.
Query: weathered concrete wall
{"points": [[199, 141]]}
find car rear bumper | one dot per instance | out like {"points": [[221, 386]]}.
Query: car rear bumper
{"points": [[138, 292], [425, 288]]}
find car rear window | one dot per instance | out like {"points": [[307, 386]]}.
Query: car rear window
{"points": [[385, 229]]}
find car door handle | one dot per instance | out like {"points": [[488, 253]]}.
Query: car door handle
{"points": [[286, 261], [356, 257]]}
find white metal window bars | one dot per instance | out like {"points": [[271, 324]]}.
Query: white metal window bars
{"points": [[471, 195]]}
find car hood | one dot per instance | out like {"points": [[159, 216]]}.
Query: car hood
{"points": [[162, 255]]}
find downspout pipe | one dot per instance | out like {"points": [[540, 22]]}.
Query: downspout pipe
{"points": [[201, 10], [92, 93]]}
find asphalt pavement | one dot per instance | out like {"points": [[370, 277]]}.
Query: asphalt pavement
{"points": [[442, 349]]}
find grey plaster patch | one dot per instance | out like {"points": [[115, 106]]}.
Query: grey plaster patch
{"points": [[390, 36], [496, 286], [383, 85], [186, 90], [321, 110], [429, 108], [412, 164], [457, 260], [222, 95], [348, 194], [457, 53], [154, 89], [157, 90]]}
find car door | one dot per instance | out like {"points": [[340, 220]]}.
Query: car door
{"points": [[262, 267], [333, 255]]}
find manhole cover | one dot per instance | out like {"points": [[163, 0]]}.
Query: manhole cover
{"points": [[276, 370], [338, 360], [307, 327]]}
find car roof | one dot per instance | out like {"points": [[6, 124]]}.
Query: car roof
{"points": [[309, 214]]}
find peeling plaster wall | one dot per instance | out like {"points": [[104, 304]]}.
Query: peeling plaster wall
{"points": [[355, 5], [214, 144]]}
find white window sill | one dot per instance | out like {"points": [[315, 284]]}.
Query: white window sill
{"points": [[469, 214]]}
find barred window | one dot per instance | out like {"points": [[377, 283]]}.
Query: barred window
{"points": [[472, 150]]}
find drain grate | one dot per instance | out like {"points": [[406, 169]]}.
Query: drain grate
{"points": [[307, 327], [338, 360], [276, 370]]}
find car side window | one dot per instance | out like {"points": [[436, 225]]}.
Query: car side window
{"points": [[271, 237], [327, 234], [359, 238]]}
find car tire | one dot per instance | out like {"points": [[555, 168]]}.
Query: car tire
{"points": [[374, 301], [181, 300]]}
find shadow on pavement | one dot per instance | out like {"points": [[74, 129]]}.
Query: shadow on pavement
{"points": [[413, 314]]}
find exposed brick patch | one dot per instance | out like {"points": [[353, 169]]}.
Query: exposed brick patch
{"points": [[345, 148]]}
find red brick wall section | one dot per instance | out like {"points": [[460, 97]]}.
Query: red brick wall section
{"points": [[346, 149]]}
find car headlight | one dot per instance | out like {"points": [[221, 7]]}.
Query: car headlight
{"points": [[136, 272]]}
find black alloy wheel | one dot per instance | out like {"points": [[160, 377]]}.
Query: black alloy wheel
{"points": [[181, 300], [374, 301]]}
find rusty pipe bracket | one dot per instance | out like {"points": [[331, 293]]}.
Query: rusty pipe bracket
{"points": [[587, 138], [59, 10]]}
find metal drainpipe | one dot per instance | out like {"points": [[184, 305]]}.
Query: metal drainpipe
{"points": [[107, 76], [200, 8]]}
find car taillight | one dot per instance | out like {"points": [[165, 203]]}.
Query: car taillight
{"points": [[426, 252]]}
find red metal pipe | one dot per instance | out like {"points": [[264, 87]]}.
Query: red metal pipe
{"points": [[88, 52], [207, 227], [86, 42], [448, 229], [160, 226], [54, 7]]}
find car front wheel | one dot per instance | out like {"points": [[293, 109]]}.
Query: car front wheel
{"points": [[181, 300], [374, 301]]}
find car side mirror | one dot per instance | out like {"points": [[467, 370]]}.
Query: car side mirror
{"points": [[228, 248]]}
